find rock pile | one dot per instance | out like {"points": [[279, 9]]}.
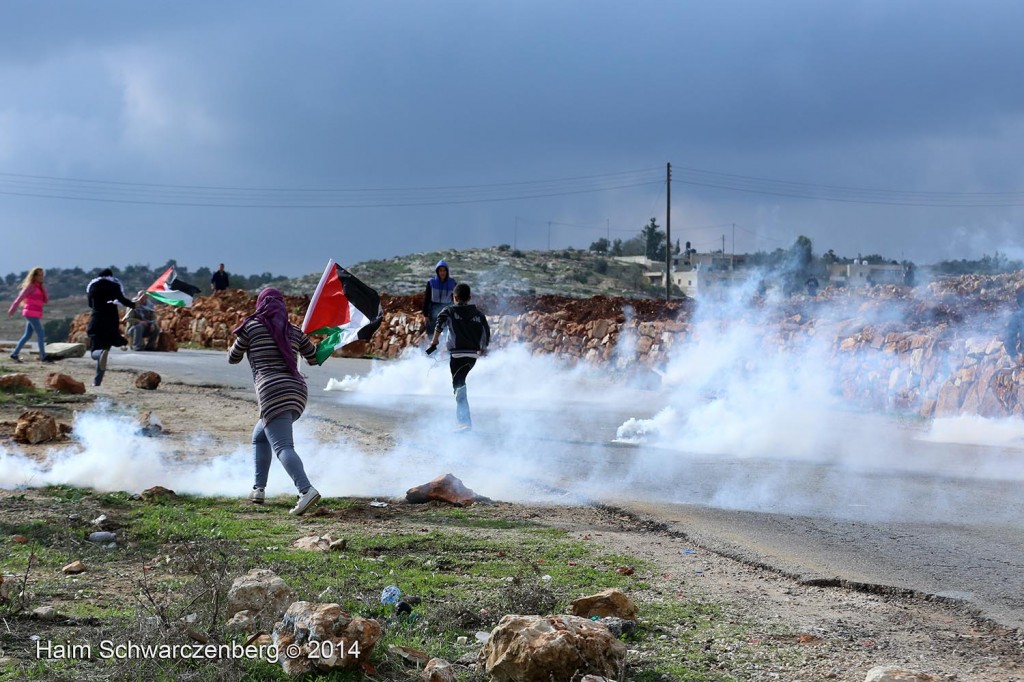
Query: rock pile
{"points": [[934, 351]]}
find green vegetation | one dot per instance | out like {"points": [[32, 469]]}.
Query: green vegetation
{"points": [[63, 282], [175, 558]]}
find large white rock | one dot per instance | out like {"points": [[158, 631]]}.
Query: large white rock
{"points": [[891, 673], [323, 637], [260, 592], [530, 648]]}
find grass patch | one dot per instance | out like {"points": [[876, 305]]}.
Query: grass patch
{"points": [[466, 568]]}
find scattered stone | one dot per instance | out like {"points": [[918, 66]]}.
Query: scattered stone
{"points": [[891, 673], [618, 626], [10, 382], [320, 543], [19, 539], [74, 568], [242, 622], [147, 380], [327, 639], [100, 521], [36, 427], [594, 678], [611, 602], [62, 383], [417, 657], [528, 648], [625, 570], [157, 493], [445, 488], [150, 425], [63, 351], [45, 613], [260, 592], [102, 536], [438, 670]]}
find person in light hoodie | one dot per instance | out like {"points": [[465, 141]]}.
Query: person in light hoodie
{"points": [[32, 298]]}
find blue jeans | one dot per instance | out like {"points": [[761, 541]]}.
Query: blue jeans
{"points": [[32, 324], [460, 368], [275, 437]]}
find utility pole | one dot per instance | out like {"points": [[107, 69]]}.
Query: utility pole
{"points": [[732, 256], [549, 235], [668, 231], [515, 235], [723, 244]]}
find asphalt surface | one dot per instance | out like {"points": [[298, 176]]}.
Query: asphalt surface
{"points": [[931, 518]]}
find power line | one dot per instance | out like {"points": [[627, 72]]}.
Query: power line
{"points": [[257, 202], [836, 193]]}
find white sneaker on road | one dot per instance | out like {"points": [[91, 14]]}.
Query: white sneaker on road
{"points": [[306, 500]]}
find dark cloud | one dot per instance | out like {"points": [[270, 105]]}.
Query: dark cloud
{"points": [[903, 96]]}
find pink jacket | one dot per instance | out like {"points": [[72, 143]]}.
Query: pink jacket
{"points": [[34, 297]]}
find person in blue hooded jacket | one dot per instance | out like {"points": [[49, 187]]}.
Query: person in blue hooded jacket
{"points": [[438, 295]]}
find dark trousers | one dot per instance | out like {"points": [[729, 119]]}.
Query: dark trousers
{"points": [[460, 368]]}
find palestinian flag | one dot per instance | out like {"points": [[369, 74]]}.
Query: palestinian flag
{"points": [[344, 309], [171, 290]]}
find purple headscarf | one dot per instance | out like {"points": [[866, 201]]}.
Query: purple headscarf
{"points": [[272, 313]]}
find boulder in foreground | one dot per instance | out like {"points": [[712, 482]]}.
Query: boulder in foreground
{"points": [[445, 488]]}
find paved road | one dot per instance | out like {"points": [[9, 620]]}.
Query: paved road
{"points": [[935, 518]]}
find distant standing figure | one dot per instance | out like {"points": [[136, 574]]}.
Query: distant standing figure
{"points": [[468, 338], [812, 286], [220, 279], [1014, 340], [32, 298], [438, 295], [104, 330], [273, 344], [142, 323]]}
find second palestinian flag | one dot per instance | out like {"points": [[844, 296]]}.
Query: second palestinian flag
{"points": [[171, 290], [344, 309]]}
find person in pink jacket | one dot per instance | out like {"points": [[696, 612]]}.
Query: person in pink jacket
{"points": [[31, 299]]}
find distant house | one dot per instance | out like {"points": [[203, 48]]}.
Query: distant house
{"points": [[861, 274], [696, 274]]}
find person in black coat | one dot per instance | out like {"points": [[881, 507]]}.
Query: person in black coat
{"points": [[104, 293], [220, 280]]}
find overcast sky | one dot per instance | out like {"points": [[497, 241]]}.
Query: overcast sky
{"points": [[274, 135]]}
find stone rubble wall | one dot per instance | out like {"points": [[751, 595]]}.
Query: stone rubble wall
{"points": [[934, 351]]}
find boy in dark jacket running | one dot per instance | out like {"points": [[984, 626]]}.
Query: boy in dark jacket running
{"points": [[468, 338]]}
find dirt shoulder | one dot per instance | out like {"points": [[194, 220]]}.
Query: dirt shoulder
{"points": [[766, 626]]}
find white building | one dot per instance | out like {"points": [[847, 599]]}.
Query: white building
{"points": [[861, 274]]}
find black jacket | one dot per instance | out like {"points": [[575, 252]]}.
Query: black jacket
{"points": [[219, 280], [468, 332], [104, 328]]}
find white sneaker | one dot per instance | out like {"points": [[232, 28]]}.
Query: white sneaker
{"points": [[257, 496], [306, 501]]}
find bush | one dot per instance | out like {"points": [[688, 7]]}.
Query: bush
{"points": [[57, 330], [504, 247]]}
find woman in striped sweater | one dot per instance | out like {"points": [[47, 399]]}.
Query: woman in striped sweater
{"points": [[273, 344]]}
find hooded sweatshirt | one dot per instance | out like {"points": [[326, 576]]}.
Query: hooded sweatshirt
{"points": [[439, 292]]}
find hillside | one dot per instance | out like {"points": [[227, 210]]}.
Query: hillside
{"points": [[500, 271]]}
